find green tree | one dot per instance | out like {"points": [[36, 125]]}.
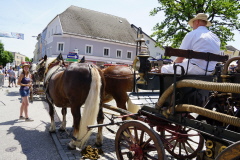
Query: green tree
{"points": [[223, 14], [1, 53], [7, 57], [27, 59]]}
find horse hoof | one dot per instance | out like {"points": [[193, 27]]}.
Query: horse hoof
{"points": [[70, 147], [52, 131], [98, 144], [61, 130]]}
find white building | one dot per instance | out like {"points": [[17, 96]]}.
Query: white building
{"points": [[101, 38]]}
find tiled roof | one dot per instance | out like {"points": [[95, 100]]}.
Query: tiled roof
{"points": [[89, 23], [231, 48]]}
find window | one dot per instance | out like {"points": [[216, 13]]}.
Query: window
{"points": [[147, 42], [119, 54], [60, 47], [106, 52], [129, 55], [89, 49]]}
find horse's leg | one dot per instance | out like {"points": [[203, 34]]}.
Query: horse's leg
{"points": [[51, 113], [76, 113], [100, 118], [64, 122], [121, 99]]}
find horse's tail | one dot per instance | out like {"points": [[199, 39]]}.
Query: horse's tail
{"points": [[91, 109], [131, 107]]}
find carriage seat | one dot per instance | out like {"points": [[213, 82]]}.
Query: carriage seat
{"points": [[190, 54], [169, 51]]}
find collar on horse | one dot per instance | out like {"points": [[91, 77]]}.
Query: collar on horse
{"points": [[47, 79], [52, 64]]}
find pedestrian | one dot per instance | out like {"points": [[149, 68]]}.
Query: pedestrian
{"points": [[13, 78], [19, 72], [10, 74], [1, 71], [25, 81], [200, 40]]}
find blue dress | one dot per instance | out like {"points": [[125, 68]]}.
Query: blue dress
{"points": [[24, 90]]}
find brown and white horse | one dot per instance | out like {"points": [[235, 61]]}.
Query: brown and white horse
{"points": [[119, 81], [78, 84]]}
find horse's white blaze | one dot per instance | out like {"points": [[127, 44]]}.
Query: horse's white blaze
{"points": [[91, 109]]}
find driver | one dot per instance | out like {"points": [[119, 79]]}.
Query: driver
{"points": [[200, 40]]}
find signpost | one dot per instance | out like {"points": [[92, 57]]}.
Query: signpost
{"points": [[72, 57]]}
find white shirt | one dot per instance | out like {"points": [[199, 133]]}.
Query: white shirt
{"points": [[202, 40]]}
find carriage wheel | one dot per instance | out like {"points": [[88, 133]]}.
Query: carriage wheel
{"points": [[182, 142], [137, 141], [231, 152]]}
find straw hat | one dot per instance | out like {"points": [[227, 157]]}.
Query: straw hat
{"points": [[200, 16], [25, 64]]}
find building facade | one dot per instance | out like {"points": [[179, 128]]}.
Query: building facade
{"points": [[18, 58], [99, 37]]}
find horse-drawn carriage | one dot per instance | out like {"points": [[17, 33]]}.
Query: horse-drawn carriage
{"points": [[37, 88], [190, 116], [195, 116]]}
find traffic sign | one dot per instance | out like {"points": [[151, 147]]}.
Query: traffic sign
{"points": [[72, 55], [71, 60]]}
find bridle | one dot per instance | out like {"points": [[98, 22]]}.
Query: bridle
{"points": [[40, 70]]}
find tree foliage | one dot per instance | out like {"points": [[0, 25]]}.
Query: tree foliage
{"points": [[27, 59], [1, 53], [223, 14], [7, 57]]}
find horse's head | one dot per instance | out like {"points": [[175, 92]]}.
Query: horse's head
{"points": [[44, 65], [33, 68], [40, 69], [33, 71]]}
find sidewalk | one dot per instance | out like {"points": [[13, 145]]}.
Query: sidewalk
{"points": [[22, 140]]}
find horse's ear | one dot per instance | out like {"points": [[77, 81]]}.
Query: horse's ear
{"points": [[60, 57], [45, 57], [83, 59]]}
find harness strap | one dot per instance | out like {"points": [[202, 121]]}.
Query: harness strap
{"points": [[47, 83], [126, 76]]}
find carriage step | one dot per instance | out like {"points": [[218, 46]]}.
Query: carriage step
{"points": [[144, 98]]}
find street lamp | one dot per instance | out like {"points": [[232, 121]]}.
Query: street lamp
{"points": [[142, 56]]}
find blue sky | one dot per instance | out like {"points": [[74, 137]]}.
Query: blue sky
{"points": [[30, 17]]}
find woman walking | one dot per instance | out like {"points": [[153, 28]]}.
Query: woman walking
{"points": [[25, 81]]}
